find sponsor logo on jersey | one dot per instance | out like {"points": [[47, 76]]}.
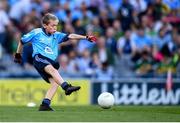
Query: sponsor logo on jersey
{"points": [[48, 50]]}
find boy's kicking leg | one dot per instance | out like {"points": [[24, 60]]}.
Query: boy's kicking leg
{"points": [[59, 80], [45, 106], [56, 80]]}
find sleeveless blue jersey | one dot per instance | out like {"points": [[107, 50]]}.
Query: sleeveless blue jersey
{"points": [[46, 45]]}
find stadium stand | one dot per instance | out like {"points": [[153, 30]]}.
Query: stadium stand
{"points": [[136, 38]]}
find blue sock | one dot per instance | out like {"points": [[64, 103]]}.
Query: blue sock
{"points": [[64, 85], [46, 101]]}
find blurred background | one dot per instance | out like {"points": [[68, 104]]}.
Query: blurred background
{"points": [[136, 38]]}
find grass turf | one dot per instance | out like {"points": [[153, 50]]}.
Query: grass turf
{"points": [[91, 114]]}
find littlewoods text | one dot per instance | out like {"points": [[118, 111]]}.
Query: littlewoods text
{"points": [[135, 94]]}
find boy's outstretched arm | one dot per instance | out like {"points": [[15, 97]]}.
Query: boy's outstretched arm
{"points": [[18, 57], [78, 37]]}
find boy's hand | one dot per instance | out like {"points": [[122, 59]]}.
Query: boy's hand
{"points": [[91, 38], [18, 58]]}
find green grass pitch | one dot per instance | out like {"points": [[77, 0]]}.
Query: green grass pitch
{"points": [[91, 114]]}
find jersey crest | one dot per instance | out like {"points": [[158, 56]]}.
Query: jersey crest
{"points": [[48, 50]]}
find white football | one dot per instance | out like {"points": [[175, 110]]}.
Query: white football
{"points": [[106, 100]]}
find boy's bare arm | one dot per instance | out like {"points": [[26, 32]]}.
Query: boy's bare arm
{"points": [[20, 47], [78, 37], [17, 56]]}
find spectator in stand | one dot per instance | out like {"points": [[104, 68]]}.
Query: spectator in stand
{"points": [[83, 45], [95, 25], [176, 61], [147, 24], [45, 7], [172, 4], [20, 8], [111, 43], [143, 66], [79, 29], [125, 45], [83, 63], [105, 72], [104, 53], [106, 17], [86, 14], [95, 62], [4, 22], [125, 14], [63, 61], [117, 29], [176, 40], [142, 41], [162, 39], [126, 50], [67, 46], [160, 9], [139, 5], [114, 4], [72, 64]]}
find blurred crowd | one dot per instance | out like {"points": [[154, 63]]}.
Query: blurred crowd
{"points": [[136, 38]]}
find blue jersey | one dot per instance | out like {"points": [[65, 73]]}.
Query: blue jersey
{"points": [[46, 45]]}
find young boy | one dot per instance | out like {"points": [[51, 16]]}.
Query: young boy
{"points": [[45, 42]]}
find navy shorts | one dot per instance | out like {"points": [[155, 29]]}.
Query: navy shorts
{"points": [[40, 62]]}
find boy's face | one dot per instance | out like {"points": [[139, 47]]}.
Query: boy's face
{"points": [[51, 27]]}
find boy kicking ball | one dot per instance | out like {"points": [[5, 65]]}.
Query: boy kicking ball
{"points": [[45, 42]]}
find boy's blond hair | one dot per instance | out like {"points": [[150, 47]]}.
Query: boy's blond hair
{"points": [[47, 17]]}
